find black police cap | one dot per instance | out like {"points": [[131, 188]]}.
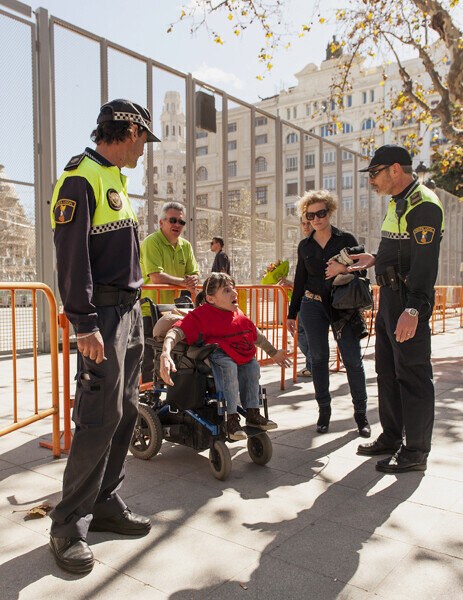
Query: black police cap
{"points": [[389, 155], [126, 110]]}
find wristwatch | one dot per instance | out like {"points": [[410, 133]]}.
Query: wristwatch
{"points": [[413, 312]]}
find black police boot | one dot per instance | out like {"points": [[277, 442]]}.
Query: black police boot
{"points": [[401, 462], [362, 424], [376, 447], [72, 554], [126, 523], [323, 423]]}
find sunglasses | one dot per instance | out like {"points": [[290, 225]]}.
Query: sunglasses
{"points": [[174, 220], [373, 174], [321, 214]]}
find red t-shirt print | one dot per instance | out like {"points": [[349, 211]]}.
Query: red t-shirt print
{"points": [[232, 331]]}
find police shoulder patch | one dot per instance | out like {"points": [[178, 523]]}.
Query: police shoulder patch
{"points": [[114, 200], [64, 211], [424, 234], [414, 198], [74, 162]]}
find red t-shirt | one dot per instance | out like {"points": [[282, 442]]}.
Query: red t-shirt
{"points": [[233, 331]]}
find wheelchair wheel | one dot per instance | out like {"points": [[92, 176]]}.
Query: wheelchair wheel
{"points": [[147, 435], [260, 448], [220, 460]]}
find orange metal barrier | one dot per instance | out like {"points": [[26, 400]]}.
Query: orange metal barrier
{"points": [[54, 410]]}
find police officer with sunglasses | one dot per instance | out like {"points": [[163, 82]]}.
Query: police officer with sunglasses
{"points": [[406, 269], [165, 258]]}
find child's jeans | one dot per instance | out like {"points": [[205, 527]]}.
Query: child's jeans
{"points": [[236, 381]]}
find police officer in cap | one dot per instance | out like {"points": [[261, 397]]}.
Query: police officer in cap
{"points": [[99, 278], [406, 269]]}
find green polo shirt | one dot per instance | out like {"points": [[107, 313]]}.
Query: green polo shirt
{"points": [[157, 255]]}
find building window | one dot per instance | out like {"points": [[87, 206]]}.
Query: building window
{"points": [[307, 110], [261, 139], [155, 170], [335, 128], [291, 188], [231, 127], [179, 130], [201, 150], [347, 204], [294, 112], [333, 105], [372, 95], [291, 209], [363, 181], [315, 107], [201, 134], [232, 145], [201, 200], [329, 182], [261, 164], [184, 169], [291, 138], [173, 129], [170, 169], [232, 168], [167, 130], [234, 198], [155, 188], [309, 184], [170, 188], [288, 113], [349, 100], [363, 202], [202, 174], [329, 157], [347, 181], [364, 97], [261, 195], [260, 121], [324, 105], [291, 163], [368, 124], [346, 156], [309, 161]]}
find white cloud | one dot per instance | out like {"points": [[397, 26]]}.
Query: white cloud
{"points": [[218, 77]]}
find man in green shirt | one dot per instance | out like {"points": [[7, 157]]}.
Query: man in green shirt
{"points": [[165, 258]]}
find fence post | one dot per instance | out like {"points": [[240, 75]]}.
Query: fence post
{"points": [[46, 175]]}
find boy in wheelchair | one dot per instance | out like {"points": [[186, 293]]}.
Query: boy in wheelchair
{"points": [[218, 320]]}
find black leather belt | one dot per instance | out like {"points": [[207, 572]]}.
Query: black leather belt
{"points": [[109, 295]]}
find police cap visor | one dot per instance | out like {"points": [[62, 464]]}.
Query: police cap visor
{"points": [[126, 110], [389, 155]]}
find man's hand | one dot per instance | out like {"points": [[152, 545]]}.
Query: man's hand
{"points": [[406, 327], [167, 365], [190, 282], [362, 261], [281, 358], [285, 282], [291, 325], [92, 347]]}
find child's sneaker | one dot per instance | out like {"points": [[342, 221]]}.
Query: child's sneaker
{"points": [[255, 419], [234, 428]]}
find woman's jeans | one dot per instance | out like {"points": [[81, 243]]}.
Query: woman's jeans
{"points": [[236, 381], [316, 324], [303, 345]]}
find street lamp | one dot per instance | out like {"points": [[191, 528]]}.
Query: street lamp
{"points": [[421, 171]]}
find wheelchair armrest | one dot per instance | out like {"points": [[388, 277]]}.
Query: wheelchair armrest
{"points": [[201, 352]]}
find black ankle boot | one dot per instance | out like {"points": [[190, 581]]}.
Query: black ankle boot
{"points": [[362, 424], [323, 423]]}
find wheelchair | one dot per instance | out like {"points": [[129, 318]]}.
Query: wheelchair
{"points": [[192, 412]]}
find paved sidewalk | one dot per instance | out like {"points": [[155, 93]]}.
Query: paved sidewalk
{"points": [[318, 522]]}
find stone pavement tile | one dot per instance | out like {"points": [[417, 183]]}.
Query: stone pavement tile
{"points": [[445, 466], [171, 558], [445, 535], [141, 476], [49, 466], [28, 571], [308, 439], [176, 460], [19, 448], [420, 488], [386, 516], [458, 507], [339, 469], [273, 579], [284, 458], [424, 575], [345, 553]]}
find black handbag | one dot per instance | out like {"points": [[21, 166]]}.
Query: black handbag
{"points": [[356, 294]]}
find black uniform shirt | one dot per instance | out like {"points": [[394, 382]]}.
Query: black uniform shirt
{"points": [[419, 261], [311, 265], [109, 258], [221, 263]]}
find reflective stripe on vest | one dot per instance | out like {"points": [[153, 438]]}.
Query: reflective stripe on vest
{"points": [[102, 179], [392, 228]]}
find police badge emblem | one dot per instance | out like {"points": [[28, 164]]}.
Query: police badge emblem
{"points": [[64, 211], [114, 200]]}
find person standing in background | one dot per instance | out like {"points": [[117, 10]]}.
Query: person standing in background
{"points": [[221, 262]]}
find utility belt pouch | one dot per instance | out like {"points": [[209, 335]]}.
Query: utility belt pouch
{"points": [[392, 275]]}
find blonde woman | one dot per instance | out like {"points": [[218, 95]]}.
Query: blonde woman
{"points": [[312, 300]]}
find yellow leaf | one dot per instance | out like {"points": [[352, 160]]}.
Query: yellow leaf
{"points": [[381, 83], [322, 20], [259, 77], [230, 17]]}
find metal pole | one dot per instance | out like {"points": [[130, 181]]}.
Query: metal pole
{"points": [[149, 151], [339, 220], [355, 186], [279, 187], [190, 159], [104, 71], [319, 178], [225, 168], [46, 175], [253, 196]]}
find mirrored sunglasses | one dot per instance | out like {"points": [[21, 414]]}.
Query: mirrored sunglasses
{"points": [[174, 220], [321, 214]]}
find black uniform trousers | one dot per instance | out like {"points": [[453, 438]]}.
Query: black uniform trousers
{"points": [[105, 412], [147, 372], [405, 383]]}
